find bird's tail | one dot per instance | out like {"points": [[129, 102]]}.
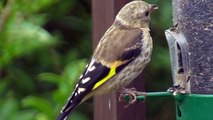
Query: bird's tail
{"points": [[68, 109]]}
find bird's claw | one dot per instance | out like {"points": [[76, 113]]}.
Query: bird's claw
{"points": [[176, 89], [132, 94]]}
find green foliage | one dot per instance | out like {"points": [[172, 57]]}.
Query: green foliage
{"points": [[44, 46], [39, 62]]}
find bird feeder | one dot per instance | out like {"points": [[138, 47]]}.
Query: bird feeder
{"points": [[191, 49]]}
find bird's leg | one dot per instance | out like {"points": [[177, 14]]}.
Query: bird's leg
{"points": [[132, 93]]}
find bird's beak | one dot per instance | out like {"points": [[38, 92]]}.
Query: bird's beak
{"points": [[153, 7]]}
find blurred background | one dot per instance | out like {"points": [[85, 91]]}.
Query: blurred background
{"points": [[44, 46]]}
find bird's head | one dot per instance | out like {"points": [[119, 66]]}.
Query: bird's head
{"points": [[135, 14]]}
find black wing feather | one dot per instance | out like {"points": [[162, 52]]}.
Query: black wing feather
{"points": [[130, 54], [75, 100]]}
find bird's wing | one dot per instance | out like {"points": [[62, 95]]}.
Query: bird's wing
{"points": [[84, 86], [125, 45]]}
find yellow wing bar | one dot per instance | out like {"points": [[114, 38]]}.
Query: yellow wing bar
{"points": [[111, 73]]}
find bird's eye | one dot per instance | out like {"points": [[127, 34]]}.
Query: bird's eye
{"points": [[147, 13]]}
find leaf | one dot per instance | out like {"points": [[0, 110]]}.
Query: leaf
{"points": [[24, 115], [22, 37], [40, 104], [49, 77], [7, 108], [21, 78], [73, 71], [34, 5]]}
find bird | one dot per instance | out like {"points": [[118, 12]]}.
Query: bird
{"points": [[120, 56]]}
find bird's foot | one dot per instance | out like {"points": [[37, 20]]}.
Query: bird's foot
{"points": [[177, 89], [131, 93]]}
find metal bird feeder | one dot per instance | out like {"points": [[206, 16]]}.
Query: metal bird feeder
{"points": [[179, 56], [188, 106], [191, 51]]}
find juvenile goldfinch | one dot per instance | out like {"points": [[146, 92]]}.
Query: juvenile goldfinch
{"points": [[121, 55]]}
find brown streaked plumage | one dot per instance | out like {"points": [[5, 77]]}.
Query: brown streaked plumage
{"points": [[121, 55], [122, 39]]}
